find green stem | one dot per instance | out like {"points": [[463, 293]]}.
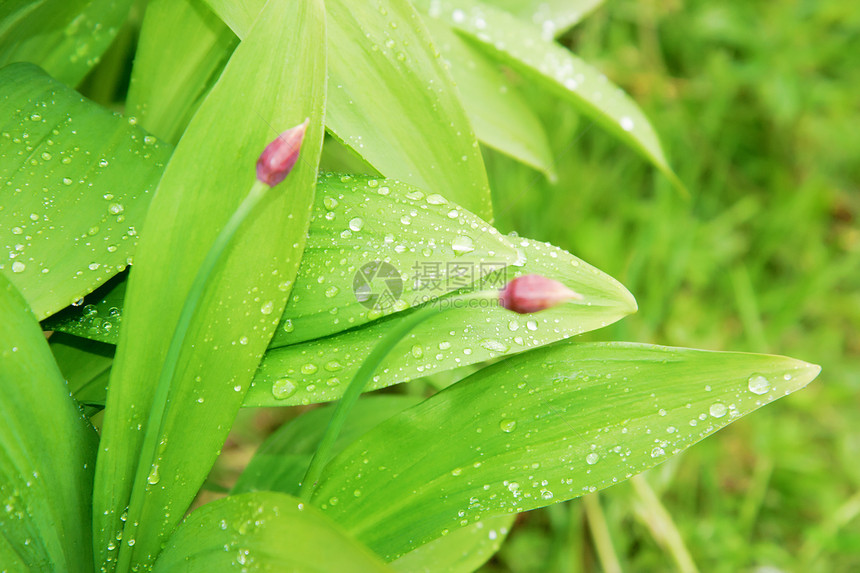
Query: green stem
{"points": [[147, 468], [398, 332]]}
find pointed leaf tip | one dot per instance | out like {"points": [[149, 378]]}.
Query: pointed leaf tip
{"points": [[533, 293], [279, 157]]}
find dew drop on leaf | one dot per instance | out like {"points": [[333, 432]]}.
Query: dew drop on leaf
{"points": [[283, 388], [758, 384], [717, 410], [508, 426]]}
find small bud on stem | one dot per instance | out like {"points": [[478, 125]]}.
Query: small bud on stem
{"points": [[279, 157], [533, 293]]}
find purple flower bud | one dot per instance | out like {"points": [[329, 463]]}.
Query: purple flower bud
{"points": [[277, 160], [532, 293]]}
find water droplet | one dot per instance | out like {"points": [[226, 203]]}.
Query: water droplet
{"points": [[243, 341], [153, 477], [329, 202], [513, 326], [417, 351], [406, 220], [18, 267], [508, 426], [453, 214], [532, 325], [462, 245], [436, 199], [268, 307], [592, 458], [331, 291], [356, 224], [717, 410], [46, 156], [657, 452], [288, 326], [758, 384], [67, 181], [333, 366], [494, 345], [103, 163], [115, 208], [546, 494], [309, 368], [283, 388]]}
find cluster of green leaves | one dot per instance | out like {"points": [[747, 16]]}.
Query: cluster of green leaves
{"points": [[406, 92]]}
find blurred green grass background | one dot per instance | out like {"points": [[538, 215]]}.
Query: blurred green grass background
{"points": [[758, 106]]}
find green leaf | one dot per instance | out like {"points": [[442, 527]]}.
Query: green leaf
{"points": [[553, 17], [554, 68], [461, 551], [263, 531], [392, 102], [47, 452], [318, 370], [280, 464], [85, 365], [358, 221], [76, 177], [65, 37], [98, 317], [500, 115], [355, 221], [275, 79], [281, 461], [540, 428], [182, 49]]}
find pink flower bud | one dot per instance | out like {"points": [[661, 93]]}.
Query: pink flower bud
{"points": [[532, 293], [279, 157]]}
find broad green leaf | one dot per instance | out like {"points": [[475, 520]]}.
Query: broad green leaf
{"points": [[540, 428], [280, 464], [553, 17], [355, 221], [281, 461], [98, 317], [274, 79], [460, 551], [85, 365], [553, 67], [263, 531], [499, 113], [391, 100], [429, 247], [65, 37], [318, 370], [76, 178], [47, 452], [182, 49]]}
